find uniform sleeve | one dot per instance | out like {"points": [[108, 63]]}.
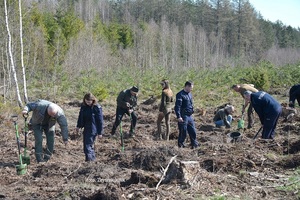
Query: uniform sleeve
{"points": [[258, 109], [63, 124], [99, 120], [80, 122], [178, 105]]}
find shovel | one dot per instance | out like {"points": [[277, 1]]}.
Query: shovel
{"points": [[25, 157], [257, 133], [241, 122], [21, 168], [122, 138]]}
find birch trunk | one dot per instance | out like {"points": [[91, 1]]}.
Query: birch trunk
{"points": [[22, 52], [11, 57]]}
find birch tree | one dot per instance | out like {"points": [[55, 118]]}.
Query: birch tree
{"points": [[22, 51], [11, 57]]}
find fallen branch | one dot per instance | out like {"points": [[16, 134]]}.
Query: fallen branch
{"points": [[165, 171]]}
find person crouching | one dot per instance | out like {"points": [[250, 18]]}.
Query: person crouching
{"points": [[223, 117]]}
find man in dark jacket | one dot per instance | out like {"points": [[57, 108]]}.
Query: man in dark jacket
{"points": [[126, 102], [44, 116], [184, 109], [268, 110], [294, 94]]}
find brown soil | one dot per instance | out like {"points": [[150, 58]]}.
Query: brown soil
{"points": [[243, 170]]}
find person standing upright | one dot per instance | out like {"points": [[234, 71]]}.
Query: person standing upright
{"points": [[165, 109], [241, 89], [184, 109], [91, 119], [126, 102]]}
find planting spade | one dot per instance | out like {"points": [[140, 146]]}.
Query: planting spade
{"points": [[21, 168], [25, 157]]}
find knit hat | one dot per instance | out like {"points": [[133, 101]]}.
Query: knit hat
{"points": [[134, 89]]}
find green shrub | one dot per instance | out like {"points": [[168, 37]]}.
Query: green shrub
{"points": [[100, 92]]}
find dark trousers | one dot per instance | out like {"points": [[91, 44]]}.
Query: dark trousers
{"points": [[38, 136], [119, 115], [88, 146], [250, 116], [188, 125], [269, 125]]}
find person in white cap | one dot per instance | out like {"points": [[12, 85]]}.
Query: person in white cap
{"points": [[223, 116], [44, 116]]}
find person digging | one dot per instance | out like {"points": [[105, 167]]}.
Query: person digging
{"points": [[126, 103], [45, 114], [241, 88]]}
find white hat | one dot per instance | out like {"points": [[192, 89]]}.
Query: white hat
{"points": [[229, 108]]}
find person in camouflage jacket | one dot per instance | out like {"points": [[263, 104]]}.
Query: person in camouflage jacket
{"points": [[165, 109]]}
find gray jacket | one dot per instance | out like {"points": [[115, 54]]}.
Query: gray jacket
{"points": [[39, 109]]}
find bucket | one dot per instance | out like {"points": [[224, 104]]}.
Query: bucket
{"points": [[241, 124], [234, 137], [21, 169]]}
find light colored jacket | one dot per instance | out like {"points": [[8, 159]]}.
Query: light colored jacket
{"points": [[39, 109]]}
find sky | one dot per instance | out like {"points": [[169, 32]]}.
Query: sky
{"points": [[287, 11]]}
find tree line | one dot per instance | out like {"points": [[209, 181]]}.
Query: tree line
{"points": [[65, 38]]}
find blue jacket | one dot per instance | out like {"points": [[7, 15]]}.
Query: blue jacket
{"points": [[91, 119], [294, 92], [265, 105], [183, 104]]}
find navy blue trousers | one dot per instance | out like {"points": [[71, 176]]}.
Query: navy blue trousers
{"points": [[269, 125], [188, 125], [88, 146]]}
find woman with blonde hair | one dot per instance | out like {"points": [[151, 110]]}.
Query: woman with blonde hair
{"points": [[165, 109]]}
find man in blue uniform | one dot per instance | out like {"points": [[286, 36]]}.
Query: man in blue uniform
{"points": [[184, 109], [268, 110], [294, 94]]}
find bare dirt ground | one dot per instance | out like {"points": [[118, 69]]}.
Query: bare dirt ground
{"points": [[244, 170]]}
